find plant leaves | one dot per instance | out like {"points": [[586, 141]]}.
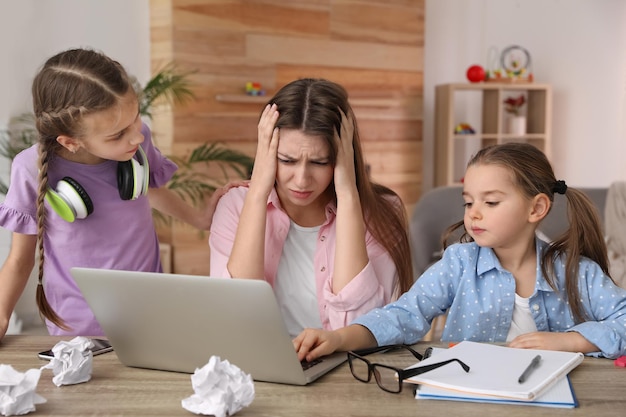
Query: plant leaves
{"points": [[169, 83]]}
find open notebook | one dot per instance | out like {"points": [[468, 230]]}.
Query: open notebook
{"points": [[561, 395], [177, 322], [495, 370]]}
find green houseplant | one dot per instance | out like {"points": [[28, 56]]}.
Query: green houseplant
{"points": [[167, 85]]}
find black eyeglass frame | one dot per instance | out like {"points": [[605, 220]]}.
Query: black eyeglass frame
{"points": [[402, 373]]}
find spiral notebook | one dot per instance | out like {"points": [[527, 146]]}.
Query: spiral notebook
{"points": [[561, 395], [495, 370]]}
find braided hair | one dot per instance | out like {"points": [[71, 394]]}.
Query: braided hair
{"points": [[69, 86]]}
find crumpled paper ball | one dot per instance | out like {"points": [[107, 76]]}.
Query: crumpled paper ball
{"points": [[17, 391], [221, 389], [72, 362]]}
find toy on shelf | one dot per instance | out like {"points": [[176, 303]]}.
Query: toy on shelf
{"points": [[254, 89], [516, 62], [475, 74], [464, 129], [493, 71], [513, 65]]}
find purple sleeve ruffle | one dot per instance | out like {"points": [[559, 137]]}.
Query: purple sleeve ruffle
{"points": [[16, 221]]}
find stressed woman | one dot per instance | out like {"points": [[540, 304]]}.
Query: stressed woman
{"points": [[332, 243]]}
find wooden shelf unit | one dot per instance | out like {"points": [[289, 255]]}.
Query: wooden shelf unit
{"points": [[449, 146], [381, 101]]}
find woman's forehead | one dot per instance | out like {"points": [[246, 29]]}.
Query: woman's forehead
{"points": [[295, 142]]}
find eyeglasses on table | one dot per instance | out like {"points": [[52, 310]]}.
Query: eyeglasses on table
{"points": [[387, 377]]}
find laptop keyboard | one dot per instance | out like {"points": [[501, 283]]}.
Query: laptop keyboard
{"points": [[306, 365]]}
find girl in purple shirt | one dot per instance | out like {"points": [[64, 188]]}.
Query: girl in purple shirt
{"points": [[80, 196]]}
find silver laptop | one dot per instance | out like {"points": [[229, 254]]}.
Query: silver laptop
{"points": [[177, 322]]}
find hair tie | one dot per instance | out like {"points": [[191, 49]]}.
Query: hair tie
{"points": [[559, 187]]}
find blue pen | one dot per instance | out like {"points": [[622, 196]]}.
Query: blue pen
{"points": [[529, 369]]}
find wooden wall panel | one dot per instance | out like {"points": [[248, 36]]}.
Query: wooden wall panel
{"points": [[374, 48], [359, 81], [377, 22], [303, 51], [248, 16]]}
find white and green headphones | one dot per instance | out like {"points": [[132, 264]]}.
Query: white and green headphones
{"points": [[70, 200]]}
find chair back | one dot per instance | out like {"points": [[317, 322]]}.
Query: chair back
{"points": [[556, 221], [434, 212]]}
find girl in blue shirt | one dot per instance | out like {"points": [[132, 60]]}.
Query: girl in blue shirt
{"points": [[502, 283]]}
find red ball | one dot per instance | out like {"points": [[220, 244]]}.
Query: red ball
{"points": [[475, 73]]}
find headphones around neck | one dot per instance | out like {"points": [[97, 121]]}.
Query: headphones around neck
{"points": [[70, 200]]}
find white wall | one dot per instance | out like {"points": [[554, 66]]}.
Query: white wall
{"points": [[577, 46], [33, 30]]}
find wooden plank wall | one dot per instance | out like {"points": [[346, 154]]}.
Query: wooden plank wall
{"points": [[374, 48]]}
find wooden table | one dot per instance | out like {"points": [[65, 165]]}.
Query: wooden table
{"points": [[119, 390]]}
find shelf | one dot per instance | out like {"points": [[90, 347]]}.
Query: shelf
{"points": [[361, 101], [497, 86], [241, 98], [483, 104], [503, 136]]}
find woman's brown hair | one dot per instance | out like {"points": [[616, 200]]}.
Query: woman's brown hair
{"points": [[69, 86], [533, 175], [312, 106]]}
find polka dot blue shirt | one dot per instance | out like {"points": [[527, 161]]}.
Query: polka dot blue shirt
{"points": [[479, 295]]}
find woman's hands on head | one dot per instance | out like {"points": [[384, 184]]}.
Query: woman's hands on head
{"points": [[345, 175], [247, 255], [265, 161]]}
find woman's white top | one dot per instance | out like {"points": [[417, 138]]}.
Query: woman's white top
{"points": [[295, 280]]}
